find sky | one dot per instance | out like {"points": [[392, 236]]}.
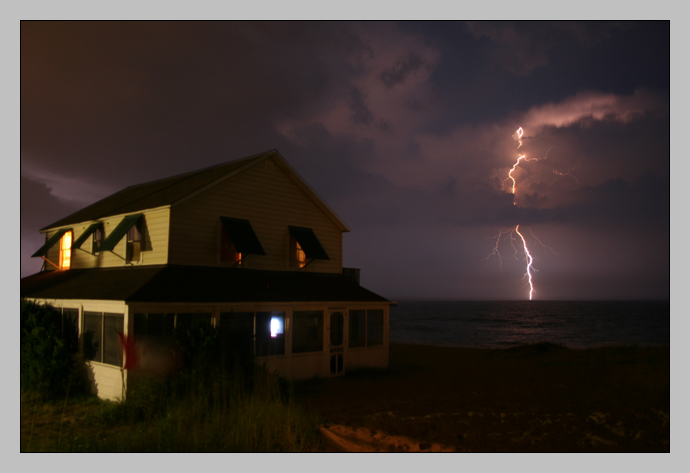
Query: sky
{"points": [[406, 129]]}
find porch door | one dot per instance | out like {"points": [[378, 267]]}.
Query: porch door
{"points": [[337, 342]]}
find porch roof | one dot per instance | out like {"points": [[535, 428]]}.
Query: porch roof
{"points": [[178, 283]]}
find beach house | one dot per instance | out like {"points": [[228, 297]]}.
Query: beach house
{"points": [[246, 244]]}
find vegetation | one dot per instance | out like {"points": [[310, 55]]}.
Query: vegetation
{"points": [[51, 367], [218, 401]]}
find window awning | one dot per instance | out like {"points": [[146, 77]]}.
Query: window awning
{"points": [[87, 233], [308, 242], [51, 241], [120, 231], [242, 236]]}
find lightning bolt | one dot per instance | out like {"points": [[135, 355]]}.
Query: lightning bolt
{"points": [[546, 247], [529, 270], [528, 257], [564, 174], [518, 137]]}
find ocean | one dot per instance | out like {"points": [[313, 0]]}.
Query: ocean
{"points": [[501, 324]]}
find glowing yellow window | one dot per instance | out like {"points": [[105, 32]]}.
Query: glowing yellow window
{"points": [[66, 250], [298, 259]]}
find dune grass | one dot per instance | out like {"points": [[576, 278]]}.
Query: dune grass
{"points": [[225, 415]]}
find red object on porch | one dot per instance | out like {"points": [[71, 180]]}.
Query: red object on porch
{"points": [[130, 351]]}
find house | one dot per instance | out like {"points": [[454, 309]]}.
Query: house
{"points": [[245, 244]]}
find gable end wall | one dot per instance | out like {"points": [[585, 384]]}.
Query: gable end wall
{"points": [[271, 202]]}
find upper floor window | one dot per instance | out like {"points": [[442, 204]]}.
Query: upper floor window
{"points": [[298, 259], [97, 239], [134, 242], [304, 245], [95, 232], [132, 226], [66, 250], [228, 252], [64, 238], [237, 240]]}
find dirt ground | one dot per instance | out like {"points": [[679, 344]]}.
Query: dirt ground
{"points": [[541, 398]]}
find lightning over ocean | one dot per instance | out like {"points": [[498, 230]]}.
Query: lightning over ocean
{"points": [[528, 259]]}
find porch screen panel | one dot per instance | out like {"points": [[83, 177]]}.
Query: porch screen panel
{"points": [[112, 352], [237, 332], [70, 323], [93, 331], [153, 326], [307, 331], [374, 327], [194, 320], [358, 328], [270, 333]]}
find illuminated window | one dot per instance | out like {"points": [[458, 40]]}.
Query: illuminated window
{"points": [[228, 252], [270, 333], [66, 250], [298, 259], [304, 245], [134, 240]]}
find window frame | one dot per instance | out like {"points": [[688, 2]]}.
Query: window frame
{"points": [[100, 339], [97, 239], [228, 252], [367, 325], [298, 258], [62, 264], [132, 242], [308, 344]]}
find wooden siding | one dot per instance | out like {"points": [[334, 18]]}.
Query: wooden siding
{"points": [[271, 202], [106, 380], [156, 223]]}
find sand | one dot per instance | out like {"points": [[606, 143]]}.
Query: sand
{"points": [[540, 398]]}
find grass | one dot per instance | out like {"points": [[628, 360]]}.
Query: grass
{"points": [[221, 416]]}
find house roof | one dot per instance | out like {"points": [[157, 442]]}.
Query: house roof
{"points": [[177, 189], [193, 284]]}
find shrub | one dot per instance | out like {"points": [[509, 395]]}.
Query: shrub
{"points": [[49, 353]]}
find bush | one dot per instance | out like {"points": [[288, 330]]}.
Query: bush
{"points": [[51, 366]]}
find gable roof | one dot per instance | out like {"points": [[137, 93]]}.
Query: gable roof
{"points": [[177, 189], [181, 283]]}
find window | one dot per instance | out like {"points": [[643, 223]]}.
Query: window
{"points": [[101, 342], [237, 332], [153, 326], [307, 331], [193, 320], [374, 327], [238, 240], [134, 241], [66, 250], [135, 237], [297, 257], [270, 333], [228, 252], [366, 328], [97, 239], [358, 328], [304, 245]]}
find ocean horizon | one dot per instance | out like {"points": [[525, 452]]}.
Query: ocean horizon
{"points": [[502, 324]]}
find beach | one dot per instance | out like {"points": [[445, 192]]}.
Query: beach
{"points": [[532, 398]]}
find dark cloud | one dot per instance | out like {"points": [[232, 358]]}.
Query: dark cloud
{"points": [[396, 73]]}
